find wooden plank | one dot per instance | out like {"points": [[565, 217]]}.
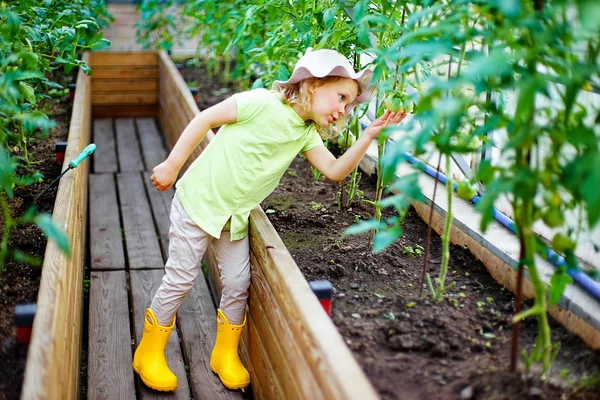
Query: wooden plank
{"points": [[124, 73], [143, 287], [105, 155], [164, 61], [124, 85], [128, 147], [110, 375], [141, 242], [153, 148], [266, 374], [121, 58], [294, 372], [332, 363], [161, 209], [106, 242], [52, 369], [125, 111], [138, 98], [197, 323]]}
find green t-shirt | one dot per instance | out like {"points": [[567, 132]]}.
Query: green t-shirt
{"points": [[244, 162]]}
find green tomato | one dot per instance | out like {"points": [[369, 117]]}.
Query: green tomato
{"points": [[466, 190], [394, 101], [552, 199], [561, 243], [408, 106], [553, 217]]}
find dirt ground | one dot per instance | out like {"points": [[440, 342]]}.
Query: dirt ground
{"points": [[19, 283], [409, 347]]}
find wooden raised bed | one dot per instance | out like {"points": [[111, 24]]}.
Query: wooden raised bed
{"points": [[52, 370], [291, 347]]}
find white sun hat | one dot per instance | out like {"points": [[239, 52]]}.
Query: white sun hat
{"points": [[325, 62]]}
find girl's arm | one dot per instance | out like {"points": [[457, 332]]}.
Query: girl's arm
{"points": [[164, 174], [336, 169]]}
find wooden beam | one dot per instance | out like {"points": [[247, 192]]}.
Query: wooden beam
{"points": [[141, 242], [153, 148], [52, 369], [105, 156], [128, 146], [122, 58], [125, 111], [161, 210], [114, 98], [113, 73], [106, 241], [110, 375], [124, 85]]}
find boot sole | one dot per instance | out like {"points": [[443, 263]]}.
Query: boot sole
{"points": [[153, 386], [228, 385]]}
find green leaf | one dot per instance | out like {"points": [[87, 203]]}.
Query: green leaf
{"points": [[483, 66], [53, 232], [27, 91], [589, 14], [329, 17], [486, 204], [485, 173], [386, 237], [558, 283], [510, 8], [364, 226], [258, 84]]}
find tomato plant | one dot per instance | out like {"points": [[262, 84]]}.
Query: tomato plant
{"points": [[36, 38]]}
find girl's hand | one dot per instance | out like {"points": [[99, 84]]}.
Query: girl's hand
{"points": [[388, 118], [164, 175]]}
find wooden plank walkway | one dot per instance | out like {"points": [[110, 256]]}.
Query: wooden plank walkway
{"points": [[129, 228]]}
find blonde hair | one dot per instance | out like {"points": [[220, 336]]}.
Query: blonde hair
{"points": [[299, 94]]}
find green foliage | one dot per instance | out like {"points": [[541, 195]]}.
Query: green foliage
{"points": [[36, 39]]}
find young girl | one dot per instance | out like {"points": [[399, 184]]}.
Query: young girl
{"points": [[262, 132]]}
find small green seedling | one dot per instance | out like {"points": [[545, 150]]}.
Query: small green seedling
{"points": [[315, 206], [414, 252], [389, 315]]}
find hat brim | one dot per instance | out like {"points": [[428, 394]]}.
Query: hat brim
{"points": [[362, 78]]}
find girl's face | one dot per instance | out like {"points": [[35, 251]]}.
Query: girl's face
{"points": [[329, 100]]}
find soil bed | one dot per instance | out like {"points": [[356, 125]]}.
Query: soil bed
{"points": [[408, 347], [19, 283]]}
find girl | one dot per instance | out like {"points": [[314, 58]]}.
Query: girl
{"points": [[262, 132]]}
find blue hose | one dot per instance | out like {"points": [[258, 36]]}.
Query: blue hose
{"points": [[580, 277]]}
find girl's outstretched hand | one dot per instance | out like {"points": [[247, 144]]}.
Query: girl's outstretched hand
{"points": [[388, 118], [164, 175]]}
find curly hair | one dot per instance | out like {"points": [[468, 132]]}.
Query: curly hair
{"points": [[299, 94]]}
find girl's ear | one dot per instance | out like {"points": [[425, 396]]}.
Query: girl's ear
{"points": [[310, 86]]}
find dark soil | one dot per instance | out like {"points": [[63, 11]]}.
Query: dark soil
{"points": [[19, 283], [408, 347]]}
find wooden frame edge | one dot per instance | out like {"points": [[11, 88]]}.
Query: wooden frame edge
{"points": [[52, 369]]}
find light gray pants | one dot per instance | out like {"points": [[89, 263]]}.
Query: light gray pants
{"points": [[187, 245]]}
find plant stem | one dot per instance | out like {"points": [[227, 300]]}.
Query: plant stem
{"points": [[428, 240], [445, 236]]}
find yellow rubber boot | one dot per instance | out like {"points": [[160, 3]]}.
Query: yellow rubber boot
{"points": [[149, 359], [224, 360]]}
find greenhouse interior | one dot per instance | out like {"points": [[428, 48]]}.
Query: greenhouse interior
{"points": [[326, 199]]}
